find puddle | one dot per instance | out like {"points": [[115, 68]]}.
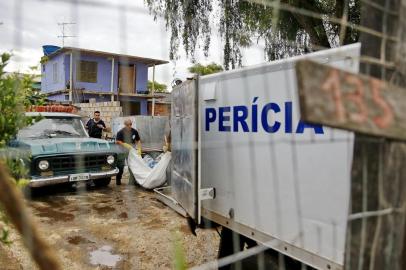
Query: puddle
{"points": [[103, 256]]}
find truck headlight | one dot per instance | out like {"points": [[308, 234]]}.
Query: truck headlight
{"points": [[110, 159], [43, 165]]}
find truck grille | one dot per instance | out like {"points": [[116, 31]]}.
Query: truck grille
{"points": [[72, 162], [76, 162]]}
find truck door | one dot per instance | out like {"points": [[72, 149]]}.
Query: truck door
{"points": [[184, 128]]}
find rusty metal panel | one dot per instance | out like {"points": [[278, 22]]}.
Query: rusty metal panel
{"points": [[152, 129]]}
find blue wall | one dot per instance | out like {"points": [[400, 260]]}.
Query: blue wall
{"points": [[47, 81], [103, 74], [144, 107], [67, 65], [143, 104], [142, 77]]}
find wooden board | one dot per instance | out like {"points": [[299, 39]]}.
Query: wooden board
{"points": [[359, 103]]}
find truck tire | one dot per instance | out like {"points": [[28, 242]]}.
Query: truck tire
{"points": [[102, 182]]}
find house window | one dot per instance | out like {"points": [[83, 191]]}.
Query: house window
{"points": [[55, 72], [86, 71]]}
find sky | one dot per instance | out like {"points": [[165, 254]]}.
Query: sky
{"points": [[118, 26]]}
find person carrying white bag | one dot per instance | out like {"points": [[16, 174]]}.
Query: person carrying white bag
{"points": [[127, 137], [146, 176]]}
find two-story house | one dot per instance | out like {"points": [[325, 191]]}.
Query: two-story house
{"points": [[77, 75]]}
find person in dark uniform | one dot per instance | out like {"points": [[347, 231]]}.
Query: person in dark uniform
{"points": [[130, 136], [95, 126]]}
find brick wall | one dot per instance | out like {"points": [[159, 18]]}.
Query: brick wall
{"points": [[108, 110]]}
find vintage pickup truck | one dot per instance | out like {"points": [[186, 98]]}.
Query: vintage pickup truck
{"points": [[60, 151]]}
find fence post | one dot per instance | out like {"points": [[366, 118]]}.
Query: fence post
{"points": [[378, 188], [401, 60]]}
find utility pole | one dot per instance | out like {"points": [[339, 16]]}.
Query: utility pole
{"points": [[64, 35]]}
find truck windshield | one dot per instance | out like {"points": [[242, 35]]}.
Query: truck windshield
{"points": [[53, 127]]}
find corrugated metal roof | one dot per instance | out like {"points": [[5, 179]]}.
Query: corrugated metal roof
{"points": [[120, 57]]}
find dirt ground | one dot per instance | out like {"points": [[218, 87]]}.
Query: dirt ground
{"points": [[116, 227]]}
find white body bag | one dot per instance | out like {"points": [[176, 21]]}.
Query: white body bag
{"points": [[147, 177]]}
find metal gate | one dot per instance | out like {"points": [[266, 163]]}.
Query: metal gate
{"points": [[185, 146]]}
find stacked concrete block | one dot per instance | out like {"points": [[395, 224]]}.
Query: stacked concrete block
{"points": [[108, 111]]}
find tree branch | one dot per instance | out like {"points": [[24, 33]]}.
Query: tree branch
{"points": [[309, 24]]}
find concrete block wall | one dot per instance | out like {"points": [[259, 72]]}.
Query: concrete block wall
{"points": [[108, 111]]}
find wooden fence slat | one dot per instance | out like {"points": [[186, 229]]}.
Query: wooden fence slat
{"points": [[359, 103]]}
